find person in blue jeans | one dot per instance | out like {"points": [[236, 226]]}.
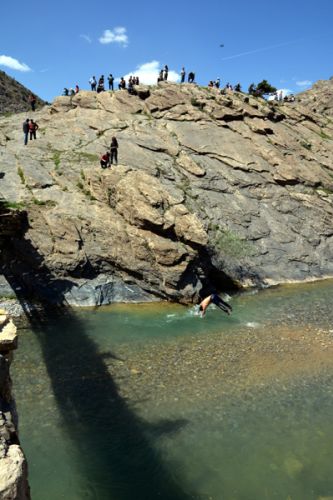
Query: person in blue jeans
{"points": [[26, 131]]}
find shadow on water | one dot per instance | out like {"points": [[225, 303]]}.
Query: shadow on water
{"points": [[117, 449]]}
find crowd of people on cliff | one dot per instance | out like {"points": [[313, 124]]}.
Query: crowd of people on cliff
{"points": [[100, 86]]}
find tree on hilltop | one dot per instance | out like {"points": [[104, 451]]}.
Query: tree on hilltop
{"points": [[261, 88]]}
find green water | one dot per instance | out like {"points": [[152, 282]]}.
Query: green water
{"points": [[153, 402]]}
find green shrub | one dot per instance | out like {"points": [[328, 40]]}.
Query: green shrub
{"points": [[197, 104], [56, 159], [229, 243]]}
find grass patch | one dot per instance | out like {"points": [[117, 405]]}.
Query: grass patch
{"points": [[85, 191], [324, 136], [20, 173], [44, 203], [229, 243], [87, 156], [56, 159], [197, 104], [14, 205]]}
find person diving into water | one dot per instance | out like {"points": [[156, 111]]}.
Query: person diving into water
{"points": [[214, 299]]}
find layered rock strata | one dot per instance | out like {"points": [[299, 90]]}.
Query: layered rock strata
{"points": [[211, 190]]}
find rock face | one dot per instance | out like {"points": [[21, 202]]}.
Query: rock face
{"points": [[320, 98], [210, 190], [13, 465], [14, 97]]}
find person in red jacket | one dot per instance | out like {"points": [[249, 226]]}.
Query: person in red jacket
{"points": [[33, 127], [105, 160]]}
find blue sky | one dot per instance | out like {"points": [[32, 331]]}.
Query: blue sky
{"points": [[48, 46]]}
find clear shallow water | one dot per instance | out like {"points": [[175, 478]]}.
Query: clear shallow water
{"points": [[146, 402]]}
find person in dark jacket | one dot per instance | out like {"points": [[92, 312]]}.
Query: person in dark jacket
{"points": [[32, 100], [33, 127], [110, 80], [191, 77], [26, 131], [114, 150]]}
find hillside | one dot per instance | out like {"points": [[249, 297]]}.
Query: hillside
{"points": [[211, 191], [14, 97], [319, 98]]}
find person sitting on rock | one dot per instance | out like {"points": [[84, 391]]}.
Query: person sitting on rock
{"points": [[33, 127], [114, 150], [122, 84], [238, 87], [160, 76], [214, 299], [105, 160], [100, 86], [65, 91], [191, 77], [211, 83]]}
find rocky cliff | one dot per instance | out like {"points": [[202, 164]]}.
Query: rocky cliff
{"points": [[211, 190], [320, 98], [14, 97]]}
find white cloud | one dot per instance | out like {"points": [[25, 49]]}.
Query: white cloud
{"points": [[117, 35], [86, 38], [304, 83], [284, 93], [148, 73], [12, 63]]}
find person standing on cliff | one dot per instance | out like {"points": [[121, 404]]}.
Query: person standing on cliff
{"points": [[26, 131], [214, 299], [93, 83], [165, 73], [32, 100], [110, 80], [114, 151], [182, 75]]}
